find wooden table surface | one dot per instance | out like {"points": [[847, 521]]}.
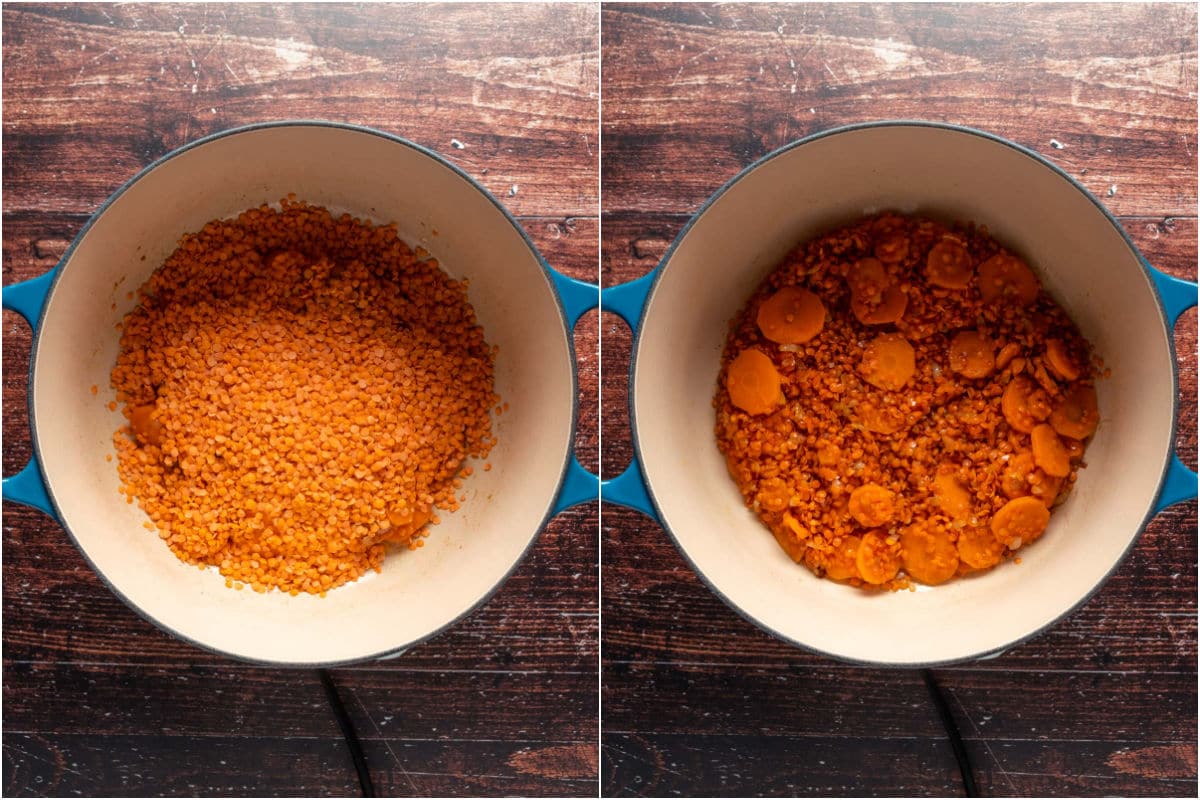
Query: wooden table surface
{"points": [[99, 702], [698, 701]]}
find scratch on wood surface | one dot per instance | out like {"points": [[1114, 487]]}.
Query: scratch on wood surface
{"points": [[57, 763], [691, 61], [986, 744], [656, 763], [387, 744]]}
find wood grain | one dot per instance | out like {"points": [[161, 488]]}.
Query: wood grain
{"points": [[698, 701], [97, 700], [720, 86]]}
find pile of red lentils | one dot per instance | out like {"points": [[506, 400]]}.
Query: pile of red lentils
{"points": [[302, 392], [901, 401]]}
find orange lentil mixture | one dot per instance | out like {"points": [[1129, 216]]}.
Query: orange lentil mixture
{"points": [[301, 392], [901, 401]]}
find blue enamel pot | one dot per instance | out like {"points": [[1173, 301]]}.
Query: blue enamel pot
{"points": [[681, 311], [525, 308]]}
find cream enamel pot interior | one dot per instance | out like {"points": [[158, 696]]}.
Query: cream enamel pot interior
{"points": [[524, 306], [681, 311]]}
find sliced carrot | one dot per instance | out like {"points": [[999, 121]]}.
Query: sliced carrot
{"points": [[773, 494], [978, 548], [1076, 415], [1049, 453], [842, 563], [885, 420], [1020, 521], [888, 308], [145, 424], [948, 265], [928, 554], [868, 277], [888, 362], [1014, 481], [877, 559], [892, 249], [1046, 487], [972, 354], [1060, 360], [872, 505], [875, 298], [791, 316], [1004, 276], [950, 495], [789, 538], [1015, 403], [753, 382]]}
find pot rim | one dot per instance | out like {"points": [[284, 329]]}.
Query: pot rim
{"points": [[664, 263], [303, 123]]}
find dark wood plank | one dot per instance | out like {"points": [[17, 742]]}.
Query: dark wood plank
{"points": [[412, 767], [693, 95], [705, 765], [695, 699], [1032, 768], [36, 765], [522, 103]]}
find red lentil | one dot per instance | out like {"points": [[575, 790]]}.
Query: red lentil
{"points": [[928, 427], [301, 391]]}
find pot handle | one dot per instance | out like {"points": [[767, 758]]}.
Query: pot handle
{"points": [[1180, 483], [628, 300], [28, 487], [577, 297]]}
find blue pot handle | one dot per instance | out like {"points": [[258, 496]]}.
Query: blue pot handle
{"points": [[27, 299], [628, 301], [577, 297], [1177, 296]]}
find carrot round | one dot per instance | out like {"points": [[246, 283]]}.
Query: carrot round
{"points": [[888, 362], [928, 554], [890, 307], [1049, 453], [978, 548], [1060, 360], [875, 298], [872, 505], [145, 424], [948, 265], [893, 249], [753, 382], [1014, 480], [1017, 403], [1020, 521], [950, 495], [972, 354], [877, 560], [885, 420], [790, 539], [1006, 277], [1076, 415], [791, 316], [1046, 488], [868, 277], [842, 563]]}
